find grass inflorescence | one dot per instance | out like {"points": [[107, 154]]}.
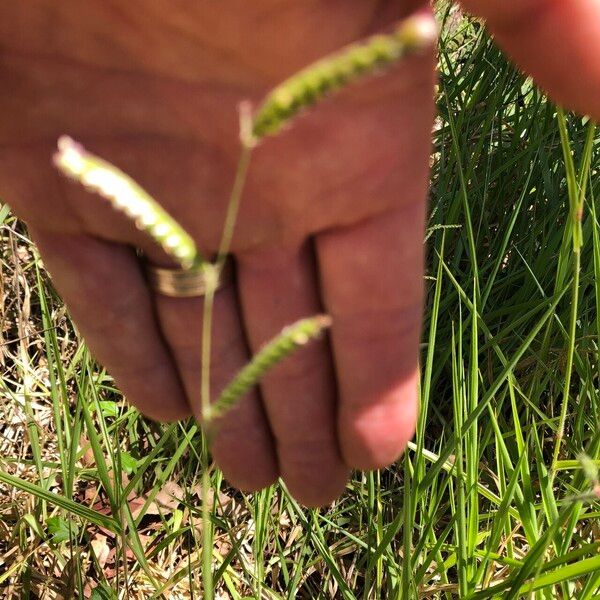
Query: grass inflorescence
{"points": [[288, 341], [126, 196], [304, 89]]}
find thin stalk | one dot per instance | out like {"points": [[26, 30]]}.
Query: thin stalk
{"points": [[560, 432], [465, 201], [206, 347], [577, 190], [235, 199], [212, 273], [207, 542], [407, 531]]}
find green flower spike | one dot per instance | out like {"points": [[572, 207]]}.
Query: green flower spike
{"points": [[590, 470], [290, 339], [129, 198], [414, 35]]}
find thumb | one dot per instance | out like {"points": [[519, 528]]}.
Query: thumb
{"points": [[555, 41]]}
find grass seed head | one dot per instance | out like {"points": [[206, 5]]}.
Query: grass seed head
{"points": [[127, 197], [413, 35], [286, 343]]}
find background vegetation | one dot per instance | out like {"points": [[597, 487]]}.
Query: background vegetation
{"points": [[490, 501]]}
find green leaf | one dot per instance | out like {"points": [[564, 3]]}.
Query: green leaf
{"points": [[65, 503], [567, 573], [128, 463], [61, 530], [109, 409], [4, 211], [103, 592]]}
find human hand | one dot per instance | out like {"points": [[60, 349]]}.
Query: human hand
{"points": [[334, 179], [555, 41], [332, 217]]}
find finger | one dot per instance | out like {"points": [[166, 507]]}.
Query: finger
{"points": [[107, 296], [372, 287], [556, 41], [299, 394], [242, 446]]}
